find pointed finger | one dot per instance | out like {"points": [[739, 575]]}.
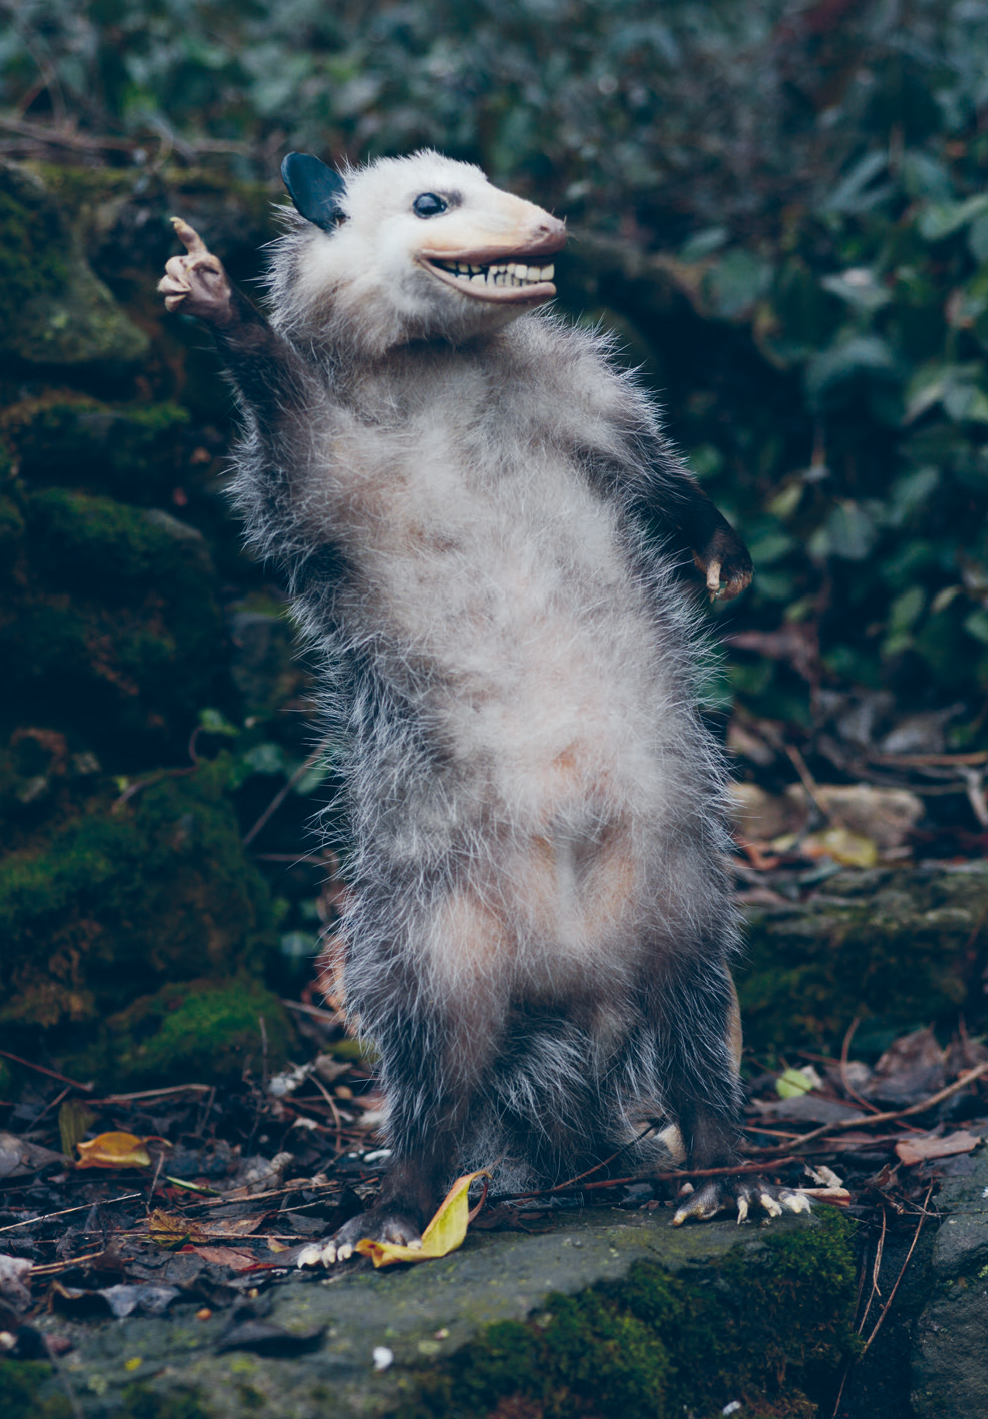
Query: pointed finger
{"points": [[189, 238]]}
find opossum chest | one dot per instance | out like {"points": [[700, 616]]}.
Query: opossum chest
{"points": [[501, 594]]}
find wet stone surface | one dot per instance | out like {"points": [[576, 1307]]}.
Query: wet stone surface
{"points": [[421, 1315]]}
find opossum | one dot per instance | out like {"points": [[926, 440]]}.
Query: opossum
{"points": [[458, 487]]}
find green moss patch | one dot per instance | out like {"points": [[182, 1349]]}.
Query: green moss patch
{"points": [[131, 451], [109, 627], [117, 905], [767, 1325], [54, 311], [197, 1029]]}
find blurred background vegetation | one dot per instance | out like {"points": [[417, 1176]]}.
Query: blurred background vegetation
{"points": [[782, 210]]}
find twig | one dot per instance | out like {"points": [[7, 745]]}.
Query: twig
{"points": [[159, 777], [155, 1093], [331, 1017], [52, 1073], [53, 1267], [867, 1119], [811, 785], [154, 1183], [50, 1105], [283, 792], [675, 1175], [888, 1303], [844, 1051], [291, 857], [84, 1207], [338, 1142], [876, 1269]]}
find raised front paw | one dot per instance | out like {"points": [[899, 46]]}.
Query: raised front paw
{"points": [[196, 282], [385, 1226], [742, 1194], [725, 563]]}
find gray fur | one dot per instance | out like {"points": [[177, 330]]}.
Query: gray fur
{"points": [[540, 922]]}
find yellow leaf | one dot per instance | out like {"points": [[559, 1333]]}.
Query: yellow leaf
{"points": [[847, 848], [113, 1150], [444, 1233]]}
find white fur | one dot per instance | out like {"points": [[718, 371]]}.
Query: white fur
{"points": [[536, 809]]}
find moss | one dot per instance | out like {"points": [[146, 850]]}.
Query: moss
{"points": [[768, 1326], [143, 1402], [21, 1385], [117, 905], [110, 630], [130, 451], [193, 1028], [890, 947], [53, 310], [29, 1390]]}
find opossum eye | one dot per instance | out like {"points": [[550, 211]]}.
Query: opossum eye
{"points": [[428, 205]]}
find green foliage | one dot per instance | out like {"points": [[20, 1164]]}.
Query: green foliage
{"points": [[813, 183], [768, 1327], [20, 1383]]}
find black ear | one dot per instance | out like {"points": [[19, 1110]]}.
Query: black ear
{"points": [[314, 188]]}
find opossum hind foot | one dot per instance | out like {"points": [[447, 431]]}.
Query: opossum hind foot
{"points": [[742, 1193], [379, 1225]]}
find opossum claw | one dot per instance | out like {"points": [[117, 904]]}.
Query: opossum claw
{"points": [[726, 1194], [725, 563], [388, 1226]]}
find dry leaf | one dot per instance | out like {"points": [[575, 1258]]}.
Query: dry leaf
{"points": [[921, 1149], [843, 846], [444, 1233], [234, 1226], [168, 1229], [113, 1150], [226, 1256], [75, 1119]]}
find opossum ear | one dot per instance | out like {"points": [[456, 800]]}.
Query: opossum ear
{"points": [[314, 188]]}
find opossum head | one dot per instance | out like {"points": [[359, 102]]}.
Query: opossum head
{"points": [[407, 249]]}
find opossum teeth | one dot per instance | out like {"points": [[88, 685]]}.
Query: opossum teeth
{"points": [[510, 273]]}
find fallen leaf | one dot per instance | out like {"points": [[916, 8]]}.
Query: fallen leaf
{"points": [[233, 1226], [168, 1229], [226, 1256], [113, 1150], [843, 846], [444, 1233], [75, 1119], [921, 1149], [793, 1082]]}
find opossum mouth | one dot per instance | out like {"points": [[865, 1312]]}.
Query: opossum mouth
{"points": [[498, 281]]}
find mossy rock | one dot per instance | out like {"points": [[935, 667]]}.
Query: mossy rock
{"points": [[130, 451], [203, 1030], [55, 314], [596, 1315], [109, 628], [892, 947], [114, 906]]}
